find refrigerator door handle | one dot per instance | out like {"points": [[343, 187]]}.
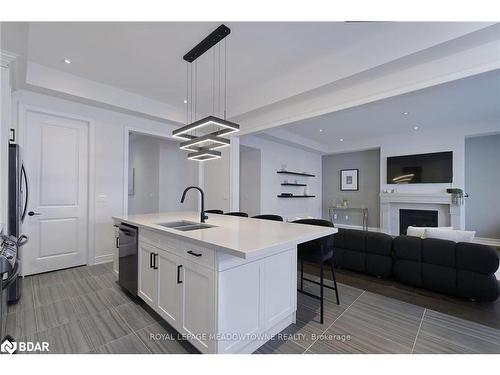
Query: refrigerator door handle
{"points": [[23, 173]]}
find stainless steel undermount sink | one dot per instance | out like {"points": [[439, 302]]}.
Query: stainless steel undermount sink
{"points": [[194, 227], [175, 224], [184, 225]]}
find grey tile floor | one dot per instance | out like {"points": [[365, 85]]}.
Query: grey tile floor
{"points": [[83, 310]]}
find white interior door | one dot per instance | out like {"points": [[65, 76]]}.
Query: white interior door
{"points": [[56, 156]]}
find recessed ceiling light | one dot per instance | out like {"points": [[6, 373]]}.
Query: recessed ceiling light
{"points": [[185, 101], [415, 128], [321, 130], [341, 139], [405, 113], [67, 61]]}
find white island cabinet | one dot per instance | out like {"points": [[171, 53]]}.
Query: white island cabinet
{"points": [[228, 288]]}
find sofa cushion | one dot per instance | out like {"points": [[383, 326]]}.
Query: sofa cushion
{"points": [[477, 286], [475, 257], [378, 243], [439, 278], [451, 235], [354, 239], [406, 247], [354, 260], [420, 231], [439, 252], [378, 265], [408, 272]]}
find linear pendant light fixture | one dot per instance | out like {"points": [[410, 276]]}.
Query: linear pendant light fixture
{"points": [[202, 137]]}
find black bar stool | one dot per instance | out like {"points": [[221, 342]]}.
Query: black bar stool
{"points": [[319, 251], [242, 214], [269, 217]]}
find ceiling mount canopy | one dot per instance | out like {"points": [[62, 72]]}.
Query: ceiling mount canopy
{"points": [[203, 136]]}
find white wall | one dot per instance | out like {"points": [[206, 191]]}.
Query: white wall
{"points": [[273, 156], [144, 165], [217, 182], [250, 186], [108, 156], [176, 173], [5, 122], [162, 173]]}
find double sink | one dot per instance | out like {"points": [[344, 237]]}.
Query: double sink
{"points": [[185, 226]]}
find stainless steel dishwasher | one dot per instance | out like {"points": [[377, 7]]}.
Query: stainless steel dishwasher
{"points": [[127, 257]]}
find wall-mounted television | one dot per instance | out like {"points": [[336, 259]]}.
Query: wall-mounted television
{"points": [[435, 167]]}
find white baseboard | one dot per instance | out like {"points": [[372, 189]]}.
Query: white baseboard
{"points": [[103, 259]]}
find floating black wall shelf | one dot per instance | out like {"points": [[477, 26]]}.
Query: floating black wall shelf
{"points": [[296, 173], [296, 196]]}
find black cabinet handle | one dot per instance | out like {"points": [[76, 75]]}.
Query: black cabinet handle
{"points": [[31, 213], [190, 252], [155, 261], [151, 255], [117, 242], [179, 281]]}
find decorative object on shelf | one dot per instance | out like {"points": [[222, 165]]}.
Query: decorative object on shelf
{"points": [[203, 137], [349, 179], [345, 203], [296, 173], [457, 196]]}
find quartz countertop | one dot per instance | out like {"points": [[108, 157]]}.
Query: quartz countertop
{"points": [[239, 236]]}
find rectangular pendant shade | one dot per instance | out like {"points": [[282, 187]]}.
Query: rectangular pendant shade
{"points": [[228, 127], [204, 155], [207, 142]]}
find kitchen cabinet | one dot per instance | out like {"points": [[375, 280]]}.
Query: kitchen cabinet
{"points": [[169, 287], [181, 291], [198, 304], [148, 277]]}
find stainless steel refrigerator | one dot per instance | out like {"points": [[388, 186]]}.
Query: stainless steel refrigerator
{"points": [[18, 204]]}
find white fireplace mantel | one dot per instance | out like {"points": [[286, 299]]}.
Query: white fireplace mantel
{"points": [[449, 214], [436, 198]]}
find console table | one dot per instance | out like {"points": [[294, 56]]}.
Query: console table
{"points": [[364, 213]]}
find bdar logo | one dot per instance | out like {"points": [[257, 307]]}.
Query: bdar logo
{"points": [[8, 346]]}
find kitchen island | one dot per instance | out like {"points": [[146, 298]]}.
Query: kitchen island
{"points": [[227, 285]]}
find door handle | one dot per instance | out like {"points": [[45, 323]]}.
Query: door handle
{"points": [[155, 263], [151, 255], [31, 213], [190, 252], [179, 281]]}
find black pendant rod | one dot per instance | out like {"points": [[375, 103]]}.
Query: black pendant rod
{"points": [[211, 40]]}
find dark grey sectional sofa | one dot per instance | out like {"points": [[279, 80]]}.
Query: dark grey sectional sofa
{"points": [[461, 269]]}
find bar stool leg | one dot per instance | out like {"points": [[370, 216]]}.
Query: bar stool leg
{"points": [[301, 275], [335, 284], [321, 292]]}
